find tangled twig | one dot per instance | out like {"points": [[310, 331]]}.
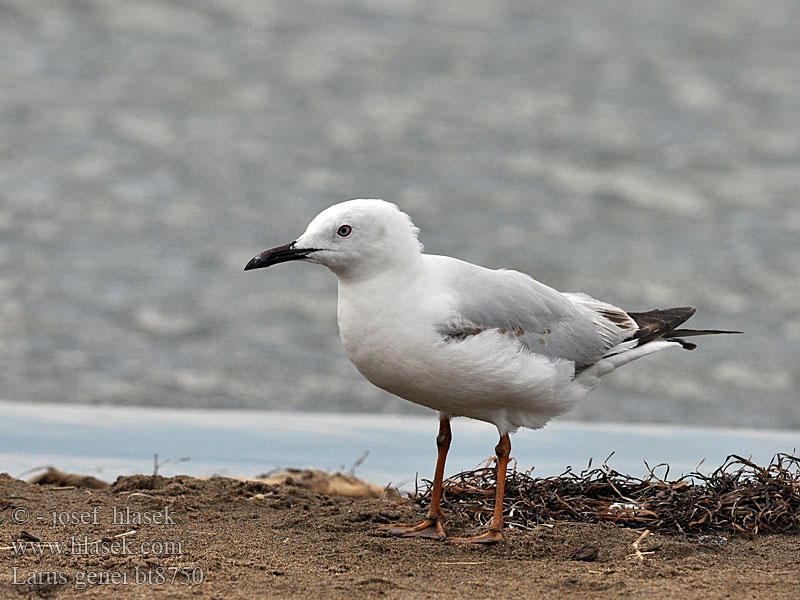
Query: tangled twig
{"points": [[738, 497]]}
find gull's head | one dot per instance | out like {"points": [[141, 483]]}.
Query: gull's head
{"points": [[354, 239]]}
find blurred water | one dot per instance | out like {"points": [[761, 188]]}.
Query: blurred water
{"points": [[111, 441], [643, 152]]}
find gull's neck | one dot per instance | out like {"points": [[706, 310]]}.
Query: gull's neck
{"points": [[399, 267], [369, 291]]}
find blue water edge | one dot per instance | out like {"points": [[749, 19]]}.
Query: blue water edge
{"points": [[107, 441]]}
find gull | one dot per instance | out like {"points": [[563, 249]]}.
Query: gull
{"points": [[467, 341]]}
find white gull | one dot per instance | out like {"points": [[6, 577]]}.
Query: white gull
{"points": [[492, 345]]}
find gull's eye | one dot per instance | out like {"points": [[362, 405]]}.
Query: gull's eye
{"points": [[344, 230]]}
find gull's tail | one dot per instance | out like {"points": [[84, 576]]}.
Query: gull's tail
{"points": [[657, 331], [662, 324]]}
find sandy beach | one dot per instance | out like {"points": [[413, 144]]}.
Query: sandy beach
{"points": [[182, 537]]}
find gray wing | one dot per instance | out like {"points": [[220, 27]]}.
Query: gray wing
{"points": [[575, 327]]}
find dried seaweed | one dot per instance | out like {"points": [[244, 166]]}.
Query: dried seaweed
{"points": [[740, 497]]}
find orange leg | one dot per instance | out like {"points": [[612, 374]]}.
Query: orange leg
{"points": [[432, 526], [495, 533]]}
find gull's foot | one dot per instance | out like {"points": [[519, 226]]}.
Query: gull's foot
{"points": [[490, 537], [429, 528]]}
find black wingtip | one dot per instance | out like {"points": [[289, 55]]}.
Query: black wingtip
{"points": [[684, 344], [658, 323], [691, 332]]}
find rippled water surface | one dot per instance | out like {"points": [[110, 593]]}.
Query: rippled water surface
{"points": [[645, 153]]}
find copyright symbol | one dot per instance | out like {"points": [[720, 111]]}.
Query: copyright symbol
{"points": [[20, 515]]}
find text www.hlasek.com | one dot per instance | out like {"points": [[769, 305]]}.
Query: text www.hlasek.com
{"points": [[83, 546]]}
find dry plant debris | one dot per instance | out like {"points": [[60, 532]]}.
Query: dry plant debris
{"points": [[328, 484], [740, 497]]}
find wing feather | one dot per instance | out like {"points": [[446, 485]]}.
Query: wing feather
{"points": [[545, 321]]}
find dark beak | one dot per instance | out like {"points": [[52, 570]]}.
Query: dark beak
{"points": [[278, 255]]}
